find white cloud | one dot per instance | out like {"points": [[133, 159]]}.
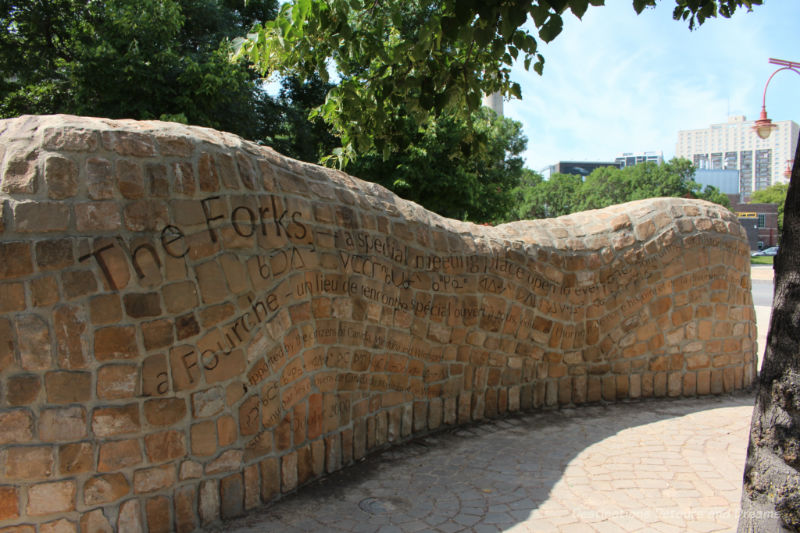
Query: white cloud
{"points": [[616, 82]]}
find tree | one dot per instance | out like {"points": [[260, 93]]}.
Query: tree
{"points": [[609, 186], [540, 198], [563, 194], [460, 168], [771, 495], [291, 131], [140, 59], [419, 57], [774, 194]]}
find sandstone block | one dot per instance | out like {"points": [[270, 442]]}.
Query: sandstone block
{"points": [[21, 174], [129, 143], [59, 526], [226, 462], [164, 412], [68, 387], [16, 260], [105, 309], [115, 421], [115, 382], [130, 517], [104, 489], [180, 297], [54, 254], [95, 522], [231, 496], [158, 334], [76, 458], [185, 518], [12, 297], [70, 139], [142, 305], [61, 175], [78, 283], [130, 179], [9, 502], [154, 479], [23, 389], [165, 446], [97, 217], [208, 505], [116, 342], [41, 217], [145, 215], [100, 183], [71, 342], [50, 498], [34, 344], [63, 424], [44, 291], [117, 455], [159, 516], [204, 438], [29, 463], [270, 479], [289, 472]]}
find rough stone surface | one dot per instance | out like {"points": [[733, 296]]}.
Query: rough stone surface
{"points": [[191, 324]]}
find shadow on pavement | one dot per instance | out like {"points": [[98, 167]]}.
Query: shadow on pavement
{"points": [[494, 475]]}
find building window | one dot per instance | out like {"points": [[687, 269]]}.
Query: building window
{"points": [[762, 221]]}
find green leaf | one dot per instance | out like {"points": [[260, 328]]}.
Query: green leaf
{"points": [[551, 28], [539, 12], [450, 27], [539, 66], [579, 7], [640, 5]]}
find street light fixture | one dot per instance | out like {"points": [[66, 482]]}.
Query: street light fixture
{"points": [[764, 126]]}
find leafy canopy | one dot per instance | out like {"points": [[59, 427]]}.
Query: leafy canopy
{"points": [[463, 168], [774, 194], [419, 57], [138, 59], [563, 194]]}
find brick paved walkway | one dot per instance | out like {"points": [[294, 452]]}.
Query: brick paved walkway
{"points": [[664, 465]]}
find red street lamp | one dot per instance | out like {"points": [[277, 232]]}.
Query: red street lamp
{"points": [[764, 126]]}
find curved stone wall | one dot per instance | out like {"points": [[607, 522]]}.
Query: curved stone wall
{"points": [[192, 325]]}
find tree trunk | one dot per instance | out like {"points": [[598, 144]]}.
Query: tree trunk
{"points": [[771, 492]]}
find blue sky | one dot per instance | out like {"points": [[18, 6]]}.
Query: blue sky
{"points": [[616, 82]]}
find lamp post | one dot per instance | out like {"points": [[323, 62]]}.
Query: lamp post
{"points": [[763, 125]]}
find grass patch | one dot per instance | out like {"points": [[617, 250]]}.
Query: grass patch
{"points": [[762, 260]]}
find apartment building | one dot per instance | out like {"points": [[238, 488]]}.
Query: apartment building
{"points": [[629, 159], [734, 145]]}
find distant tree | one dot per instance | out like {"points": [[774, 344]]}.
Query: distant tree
{"points": [[460, 168], [142, 59], [547, 198], [562, 194], [774, 194], [609, 186]]}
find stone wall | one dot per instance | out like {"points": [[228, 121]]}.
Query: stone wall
{"points": [[192, 325]]}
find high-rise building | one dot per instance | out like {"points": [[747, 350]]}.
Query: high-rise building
{"points": [[629, 159], [494, 102], [576, 168], [734, 145]]}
